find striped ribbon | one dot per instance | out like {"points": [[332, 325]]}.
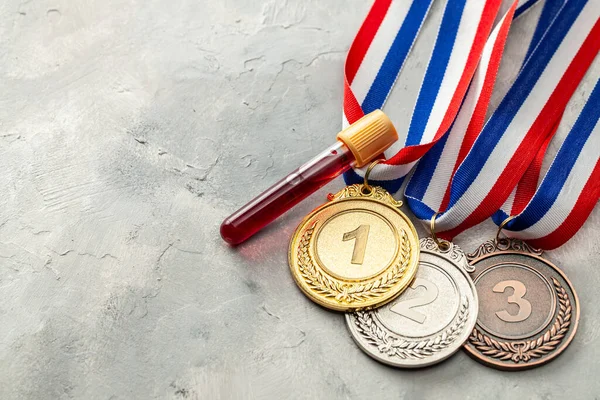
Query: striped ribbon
{"points": [[549, 216], [378, 53], [490, 160]]}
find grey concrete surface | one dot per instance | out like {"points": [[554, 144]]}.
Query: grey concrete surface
{"points": [[128, 131]]}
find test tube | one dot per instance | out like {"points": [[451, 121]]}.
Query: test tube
{"points": [[356, 145]]}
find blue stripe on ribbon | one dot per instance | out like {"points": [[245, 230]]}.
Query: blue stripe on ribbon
{"points": [[425, 169], [549, 12], [435, 70], [560, 169], [512, 102], [500, 216], [418, 184], [524, 7], [396, 56], [421, 178], [420, 209]]}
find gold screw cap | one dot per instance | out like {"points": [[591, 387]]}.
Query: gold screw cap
{"points": [[369, 137]]}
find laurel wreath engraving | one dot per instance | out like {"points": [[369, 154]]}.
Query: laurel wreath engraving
{"points": [[350, 293], [524, 351], [393, 346], [491, 246]]}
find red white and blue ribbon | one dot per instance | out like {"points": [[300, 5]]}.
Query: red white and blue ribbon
{"points": [[552, 214], [378, 54], [489, 162]]}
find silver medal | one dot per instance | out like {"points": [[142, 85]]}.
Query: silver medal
{"points": [[427, 323]]}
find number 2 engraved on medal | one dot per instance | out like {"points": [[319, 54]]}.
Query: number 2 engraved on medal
{"points": [[405, 308], [360, 234], [519, 291]]}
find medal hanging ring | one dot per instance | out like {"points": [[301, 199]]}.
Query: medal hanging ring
{"points": [[367, 187], [501, 226], [442, 244], [356, 252]]}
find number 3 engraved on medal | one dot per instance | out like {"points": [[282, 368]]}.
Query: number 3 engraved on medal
{"points": [[404, 308], [360, 234], [516, 298]]}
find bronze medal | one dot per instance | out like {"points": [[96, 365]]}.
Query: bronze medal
{"points": [[528, 309]]}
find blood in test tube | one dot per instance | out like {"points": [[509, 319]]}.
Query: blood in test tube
{"points": [[357, 145], [286, 193]]}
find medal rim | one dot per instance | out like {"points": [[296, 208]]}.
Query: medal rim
{"points": [[467, 330], [476, 355], [411, 270]]}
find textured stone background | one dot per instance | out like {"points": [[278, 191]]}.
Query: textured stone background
{"points": [[128, 130]]}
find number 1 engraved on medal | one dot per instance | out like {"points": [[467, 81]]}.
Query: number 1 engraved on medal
{"points": [[360, 234], [519, 291], [405, 308]]}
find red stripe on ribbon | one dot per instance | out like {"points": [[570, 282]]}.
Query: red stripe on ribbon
{"points": [[356, 54], [528, 183], [364, 37], [586, 202], [352, 109]]}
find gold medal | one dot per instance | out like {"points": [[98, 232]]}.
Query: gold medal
{"points": [[356, 252]]}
